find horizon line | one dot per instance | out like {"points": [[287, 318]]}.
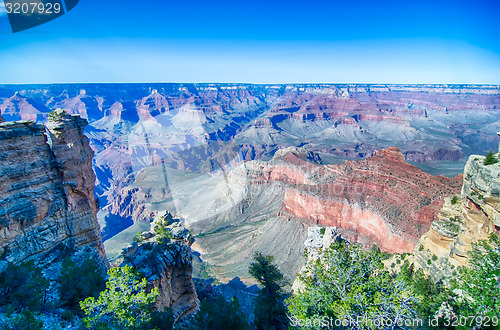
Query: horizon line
{"points": [[258, 84]]}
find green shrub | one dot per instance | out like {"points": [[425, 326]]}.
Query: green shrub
{"points": [[347, 282], [429, 262], [137, 237], [434, 257], [430, 294], [22, 286], [322, 231], [80, 282], [454, 200], [163, 234], [25, 320], [479, 281], [421, 247], [123, 305], [55, 116], [490, 159]]}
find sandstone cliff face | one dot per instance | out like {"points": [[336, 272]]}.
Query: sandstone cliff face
{"points": [[381, 200], [47, 206], [474, 216], [167, 266]]}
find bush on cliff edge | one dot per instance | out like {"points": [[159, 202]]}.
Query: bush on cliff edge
{"points": [[490, 159]]}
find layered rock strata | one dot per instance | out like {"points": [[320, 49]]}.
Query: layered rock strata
{"points": [[199, 127], [464, 220], [381, 200], [47, 204]]}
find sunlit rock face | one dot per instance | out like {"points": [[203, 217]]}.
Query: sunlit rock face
{"points": [[268, 205], [381, 200], [199, 127], [473, 216], [170, 146], [47, 204]]}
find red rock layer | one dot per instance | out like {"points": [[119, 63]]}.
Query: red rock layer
{"points": [[381, 200]]}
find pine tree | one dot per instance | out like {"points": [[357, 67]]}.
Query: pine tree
{"points": [[349, 284], [270, 310], [490, 159]]}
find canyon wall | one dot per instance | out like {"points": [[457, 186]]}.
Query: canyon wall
{"points": [[47, 204], [472, 216], [200, 127], [48, 212], [381, 200]]}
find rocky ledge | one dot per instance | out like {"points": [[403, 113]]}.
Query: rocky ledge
{"points": [[164, 257]]}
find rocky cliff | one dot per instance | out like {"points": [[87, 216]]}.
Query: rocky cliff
{"points": [[463, 220], [163, 255], [382, 200], [47, 204]]}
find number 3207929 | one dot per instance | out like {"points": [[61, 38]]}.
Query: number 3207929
{"points": [[32, 8]]}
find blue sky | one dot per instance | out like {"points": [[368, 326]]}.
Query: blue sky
{"points": [[259, 42]]}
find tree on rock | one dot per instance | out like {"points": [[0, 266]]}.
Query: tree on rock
{"points": [[270, 310], [490, 159], [348, 284], [123, 305], [479, 284]]}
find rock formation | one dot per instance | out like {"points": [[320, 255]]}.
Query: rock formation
{"points": [[164, 257], [47, 204], [318, 240], [462, 221], [200, 127], [381, 200]]}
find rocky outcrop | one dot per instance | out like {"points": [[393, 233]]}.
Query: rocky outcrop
{"points": [[462, 221], [47, 205], [381, 200], [318, 240], [164, 257]]}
